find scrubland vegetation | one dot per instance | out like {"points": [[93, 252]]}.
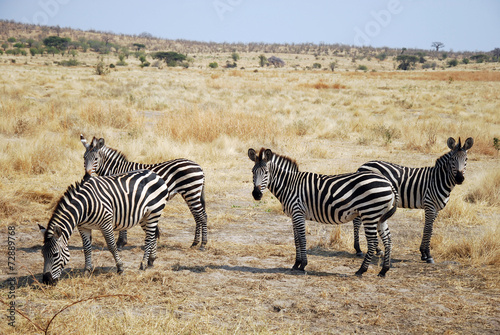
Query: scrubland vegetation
{"points": [[329, 121]]}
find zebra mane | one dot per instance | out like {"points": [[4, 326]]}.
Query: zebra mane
{"points": [[285, 163], [67, 197], [444, 158], [117, 154]]}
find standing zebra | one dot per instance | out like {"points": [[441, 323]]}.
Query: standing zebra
{"points": [[427, 187], [181, 176], [326, 199], [106, 203]]}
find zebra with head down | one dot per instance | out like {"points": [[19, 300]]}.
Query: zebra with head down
{"points": [[108, 204]]}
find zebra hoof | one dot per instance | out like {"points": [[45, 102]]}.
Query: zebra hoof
{"points": [[430, 260], [88, 272], [120, 270], [360, 254]]}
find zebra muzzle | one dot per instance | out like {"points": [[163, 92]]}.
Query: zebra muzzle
{"points": [[257, 194], [459, 178], [48, 280]]}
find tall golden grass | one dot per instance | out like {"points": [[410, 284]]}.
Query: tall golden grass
{"points": [[329, 122]]}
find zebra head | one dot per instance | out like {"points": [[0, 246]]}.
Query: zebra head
{"points": [[458, 158], [55, 254], [260, 171], [93, 156]]}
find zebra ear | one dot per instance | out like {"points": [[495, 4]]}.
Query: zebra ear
{"points": [[97, 143], [100, 143], [84, 141], [57, 232], [267, 155], [42, 229], [252, 154], [451, 143], [468, 143]]}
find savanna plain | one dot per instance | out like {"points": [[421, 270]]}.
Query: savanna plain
{"points": [[329, 122]]}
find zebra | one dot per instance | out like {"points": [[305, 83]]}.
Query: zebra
{"points": [[426, 187], [326, 199], [106, 203], [181, 176]]}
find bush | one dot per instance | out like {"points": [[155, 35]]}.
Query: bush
{"points": [[235, 56], [69, 62], [11, 39], [101, 69], [429, 65], [363, 68], [452, 62], [466, 60], [316, 66], [381, 56], [19, 45], [213, 65]]}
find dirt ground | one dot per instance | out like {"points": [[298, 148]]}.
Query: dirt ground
{"points": [[242, 283]]}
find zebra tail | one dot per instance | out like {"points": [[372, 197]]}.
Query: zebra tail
{"points": [[157, 233], [391, 212], [202, 198]]}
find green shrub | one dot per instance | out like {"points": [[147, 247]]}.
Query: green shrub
{"points": [[213, 65], [316, 66], [452, 62], [69, 62], [363, 68], [466, 60]]}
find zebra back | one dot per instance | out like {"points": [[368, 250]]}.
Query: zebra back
{"points": [[181, 175]]}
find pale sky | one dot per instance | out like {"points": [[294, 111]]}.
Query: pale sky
{"points": [[462, 25]]}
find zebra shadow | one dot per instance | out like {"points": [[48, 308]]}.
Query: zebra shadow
{"points": [[251, 269], [34, 281], [320, 251], [38, 248]]}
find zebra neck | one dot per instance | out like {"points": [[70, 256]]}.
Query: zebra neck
{"points": [[442, 172], [115, 162], [279, 181]]}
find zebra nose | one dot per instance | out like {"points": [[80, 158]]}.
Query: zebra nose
{"points": [[459, 178], [48, 280], [257, 194]]}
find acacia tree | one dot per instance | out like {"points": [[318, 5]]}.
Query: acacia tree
{"points": [[437, 45], [170, 57], [407, 61]]}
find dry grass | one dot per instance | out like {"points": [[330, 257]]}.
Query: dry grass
{"points": [[329, 122]]}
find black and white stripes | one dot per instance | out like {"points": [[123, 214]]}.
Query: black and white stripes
{"points": [[326, 199], [427, 187], [110, 203], [180, 175]]}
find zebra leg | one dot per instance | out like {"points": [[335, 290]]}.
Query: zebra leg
{"points": [[385, 235], [152, 254], [109, 236], [150, 227], [197, 208], [357, 225], [371, 239], [430, 216], [86, 235], [122, 240], [299, 232]]}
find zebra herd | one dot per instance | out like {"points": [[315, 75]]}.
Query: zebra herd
{"points": [[115, 195]]}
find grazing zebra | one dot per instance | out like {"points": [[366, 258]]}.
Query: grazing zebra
{"points": [[181, 176], [106, 203], [427, 187], [326, 199]]}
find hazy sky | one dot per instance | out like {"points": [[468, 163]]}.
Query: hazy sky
{"points": [[472, 25]]}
